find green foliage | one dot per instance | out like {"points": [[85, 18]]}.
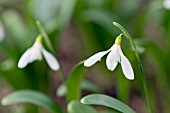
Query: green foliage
{"points": [[74, 82], [99, 99], [33, 97], [76, 29], [77, 107], [85, 85]]}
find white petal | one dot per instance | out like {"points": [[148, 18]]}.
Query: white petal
{"points": [[113, 58], [24, 60], [126, 66], [166, 4], [51, 60], [96, 57], [36, 52]]}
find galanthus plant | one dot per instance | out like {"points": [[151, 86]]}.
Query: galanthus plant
{"points": [[35, 53], [115, 55], [72, 87]]}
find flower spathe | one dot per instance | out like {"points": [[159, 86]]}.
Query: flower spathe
{"points": [[115, 55], [35, 53]]}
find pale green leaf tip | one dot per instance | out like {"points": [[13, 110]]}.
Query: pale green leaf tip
{"points": [[70, 106], [114, 23], [4, 102], [82, 101], [37, 22]]}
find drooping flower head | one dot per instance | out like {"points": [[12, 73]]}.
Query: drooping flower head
{"points": [[35, 53], [115, 55]]}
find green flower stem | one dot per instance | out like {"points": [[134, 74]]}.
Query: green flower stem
{"points": [[47, 40], [127, 35], [49, 45]]}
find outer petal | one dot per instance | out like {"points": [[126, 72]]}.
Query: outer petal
{"points": [[126, 66], [24, 60], [113, 58], [96, 57], [51, 60]]}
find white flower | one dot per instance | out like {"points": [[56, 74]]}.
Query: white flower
{"points": [[166, 4], [35, 53], [116, 55]]}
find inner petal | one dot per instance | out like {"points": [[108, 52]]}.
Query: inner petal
{"points": [[113, 58], [36, 53]]}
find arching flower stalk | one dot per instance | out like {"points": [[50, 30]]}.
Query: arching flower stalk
{"points": [[115, 55], [36, 52]]}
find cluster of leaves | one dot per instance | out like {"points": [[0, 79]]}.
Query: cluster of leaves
{"points": [[92, 19]]}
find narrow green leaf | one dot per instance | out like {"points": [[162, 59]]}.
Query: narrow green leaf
{"points": [[85, 85], [89, 86], [66, 11], [62, 90], [104, 100], [33, 97], [77, 107], [74, 82], [110, 111], [100, 17]]}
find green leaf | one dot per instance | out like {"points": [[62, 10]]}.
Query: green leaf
{"points": [[100, 17], [110, 111], [74, 82], [99, 99], [33, 97], [62, 90], [89, 86], [16, 27], [85, 85], [66, 11], [77, 107], [123, 85]]}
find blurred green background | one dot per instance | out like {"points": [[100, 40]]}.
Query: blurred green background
{"points": [[77, 30]]}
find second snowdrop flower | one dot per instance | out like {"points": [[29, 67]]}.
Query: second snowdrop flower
{"points": [[115, 55], [35, 53]]}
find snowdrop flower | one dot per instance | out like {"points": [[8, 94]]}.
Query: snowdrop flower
{"points": [[166, 4], [115, 55], [35, 53]]}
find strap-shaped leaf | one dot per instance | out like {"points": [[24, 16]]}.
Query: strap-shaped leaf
{"points": [[85, 85], [77, 107], [74, 82], [110, 111], [104, 100], [33, 97]]}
